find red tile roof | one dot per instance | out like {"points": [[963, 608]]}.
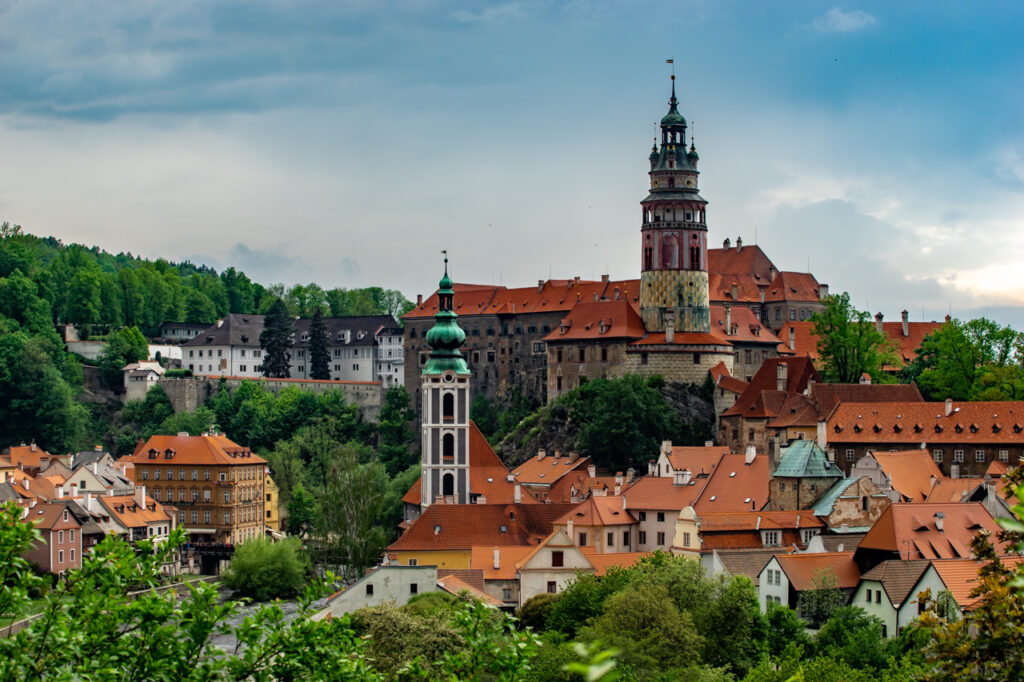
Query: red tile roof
{"points": [[579, 484], [462, 526], [746, 328], [802, 570], [758, 520], [827, 396], [910, 531], [127, 511], [598, 511], [599, 320], [720, 375], [762, 397], [735, 486], [806, 343], [549, 470], [212, 450], [697, 459], [793, 286], [31, 456], [603, 561], [748, 288], [453, 584], [47, 514], [911, 472], [915, 422], [654, 493], [482, 557], [953, 490], [961, 577], [740, 260], [488, 475], [683, 339]]}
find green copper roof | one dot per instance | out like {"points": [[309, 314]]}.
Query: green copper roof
{"points": [[827, 502], [445, 337], [673, 117], [804, 459]]}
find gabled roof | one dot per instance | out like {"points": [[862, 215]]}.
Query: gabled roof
{"points": [[482, 557], [662, 494], [953, 490], [806, 343], [462, 526], [762, 397], [488, 475], [47, 514], [748, 288], [910, 531], [547, 470], [827, 396], [747, 562], [960, 577], [980, 422], [603, 561], [746, 328], [898, 577], [599, 320], [910, 472], [758, 520], [720, 375], [796, 410], [236, 329], [699, 460], [804, 459], [579, 484], [455, 585], [740, 260], [598, 511], [803, 569], [735, 486], [793, 286], [362, 330], [126, 510], [208, 450], [27, 455], [827, 502]]}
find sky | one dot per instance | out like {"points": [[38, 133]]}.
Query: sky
{"points": [[880, 145]]}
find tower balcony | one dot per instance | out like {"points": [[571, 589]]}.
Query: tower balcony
{"points": [[679, 224]]}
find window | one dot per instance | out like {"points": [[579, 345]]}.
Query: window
{"points": [[625, 539], [60, 556], [206, 474], [869, 595], [72, 555], [937, 455], [156, 494], [242, 368], [506, 594], [71, 535], [778, 313], [958, 455], [538, 347], [156, 474], [552, 587], [583, 352], [414, 588], [206, 494], [195, 494], [642, 537], [558, 355], [206, 516], [227, 518], [369, 589], [145, 474], [195, 516], [60, 537], [643, 516], [696, 358], [611, 539], [771, 538], [643, 358], [582, 539], [878, 596], [1004, 455], [979, 455], [181, 516], [792, 314], [413, 562], [557, 559], [181, 475], [661, 517], [195, 474], [661, 539], [849, 455], [686, 539]]}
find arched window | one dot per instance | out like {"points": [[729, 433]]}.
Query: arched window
{"points": [[448, 484], [448, 406], [695, 258], [448, 446]]}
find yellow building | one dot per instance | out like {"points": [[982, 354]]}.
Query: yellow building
{"points": [[272, 513]]}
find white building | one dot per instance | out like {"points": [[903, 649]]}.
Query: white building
{"points": [[231, 347]]}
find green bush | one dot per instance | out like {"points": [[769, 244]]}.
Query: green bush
{"points": [[177, 373], [534, 613], [263, 570]]}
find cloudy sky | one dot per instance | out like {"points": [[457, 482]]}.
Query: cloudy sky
{"points": [[347, 143]]}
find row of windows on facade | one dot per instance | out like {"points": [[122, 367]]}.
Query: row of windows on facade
{"points": [[220, 353], [539, 348], [980, 455], [247, 516], [518, 329], [243, 496], [245, 474]]}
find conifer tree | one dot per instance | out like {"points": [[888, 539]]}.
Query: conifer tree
{"points": [[318, 356], [276, 340]]}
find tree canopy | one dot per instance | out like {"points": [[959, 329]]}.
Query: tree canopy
{"points": [[849, 345]]}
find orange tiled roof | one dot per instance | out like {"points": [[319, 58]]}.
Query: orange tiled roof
{"points": [[211, 450], [961, 577], [548, 470], [655, 493], [599, 320], [47, 514], [720, 375], [579, 484], [453, 584], [758, 520], [796, 410], [488, 475], [598, 511], [827, 396], [915, 422], [127, 511], [482, 557], [911, 472], [762, 397], [697, 459], [740, 260], [603, 561], [445, 527], [27, 455], [793, 286], [683, 339], [748, 288], [802, 569], [910, 531], [806, 343], [953, 490], [746, 328], [735, 486]]}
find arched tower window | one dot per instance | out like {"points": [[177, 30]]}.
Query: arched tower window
{"points": [[448, 446], [448, 407], [695, 258], [448, 485]]}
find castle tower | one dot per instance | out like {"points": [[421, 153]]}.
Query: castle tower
{"points": [[673, 269], [445, 417]]}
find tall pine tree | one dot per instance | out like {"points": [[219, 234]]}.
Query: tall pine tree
{"points": [[318, 356], [276, 340]]}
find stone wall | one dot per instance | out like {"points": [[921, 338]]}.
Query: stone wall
{"points": [[188, 393], [676, 364]]}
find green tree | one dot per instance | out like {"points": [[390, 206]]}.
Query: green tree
{"points": [[484, 415], [301, 514], [123, 347], [583, 599], [199, 308], [84, 298], [783, 627], [853, 637], [817, 605], [276, 340], [535, 610], [240, 291], [397, 438], [961, 360], [849, 345], [262, 570], [319, 358]]}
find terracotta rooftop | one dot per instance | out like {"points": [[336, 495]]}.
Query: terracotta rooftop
{"points": [[796, 410], [699, 460], [827, 396], [208, 450], [802, 569], [127, 511], [598, 511], [961, 577], [740, 260], [463, 526], [762, 397], [911, 472], [579, 484], [758, 520], [910, 531], [602, 562], [454, 584], [46, 514], [912, 423], [599, 320], [748, 288], [898, 577], [724, 380], [662, 494], [953, 490], [746, 328], [482, 557], [683, 339], [547, 470], [27, 455], [806, 343], [747, 562], [735, 486]]}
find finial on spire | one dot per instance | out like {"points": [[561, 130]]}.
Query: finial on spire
{"points": [[673, 101]]}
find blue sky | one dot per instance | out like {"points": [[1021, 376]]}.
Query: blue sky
{"points": [[349, 142]]}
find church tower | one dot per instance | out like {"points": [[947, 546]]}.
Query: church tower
{"points": [[673, 269], [445, 417]]}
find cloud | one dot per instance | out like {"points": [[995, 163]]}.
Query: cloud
{"points": [[837, 21], [497, 14]]}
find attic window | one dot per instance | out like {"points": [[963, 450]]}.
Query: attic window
{"points": [[856, 428], [732, 474], [876, 428], [995, 428], [713, 497], [245, 339], [437, 530], [938, 429], [503, 529], [153, 454], [837, 428], [1016, 428], [917, 428], [958, 428], [974, 428], [168, 453], [897, 428]]}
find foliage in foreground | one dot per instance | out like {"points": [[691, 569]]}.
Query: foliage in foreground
{"points": [[262, 570]]}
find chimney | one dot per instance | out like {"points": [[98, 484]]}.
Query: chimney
{"points": [[98, 448], [948, 318], [822, 434], [591, 471], [573, 456], [865, 378], [735, 292], [630, 475], [772, 273], [940, 518], [518, 495], [140, 496], [497, 558], [878, 322], [604, 278], [33, 446], [822, 291], [739, 243], [96, 468], [906, 323], [670, 325], [124, 470], [617, 294], [60, 492], [726, 243], [540, 288], [781, 376], [88, 502], [750, 455], [728, 318], [666, 447], [792, 337], [541, 452], [618, 479], [74, 490], [419, 300], [949, 406], [568, 529], [650, 467], [24, 483]]}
